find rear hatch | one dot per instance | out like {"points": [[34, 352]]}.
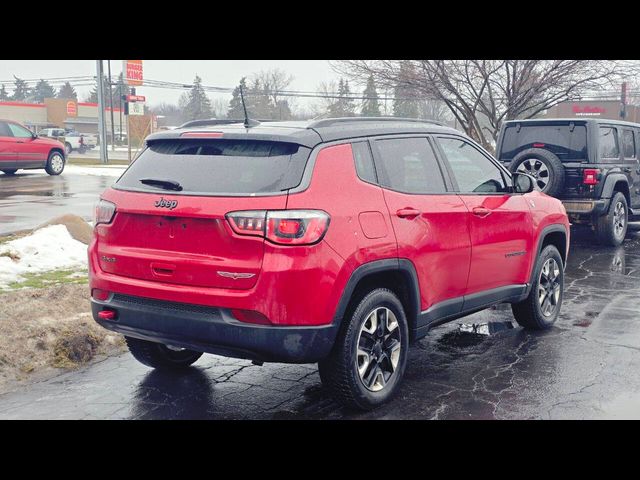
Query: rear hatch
{"points": [[566, 139], [163, 234]]}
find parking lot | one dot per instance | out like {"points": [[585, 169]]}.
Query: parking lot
{"points": [[586, 366]]}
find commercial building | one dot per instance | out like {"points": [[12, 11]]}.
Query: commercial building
{"points": [[594, 108], [74, 115]]}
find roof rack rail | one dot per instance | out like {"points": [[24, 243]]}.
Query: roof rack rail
{"points": [[326, 122], [213, 121]]}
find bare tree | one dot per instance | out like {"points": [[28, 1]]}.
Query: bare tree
{"points": [[274, 81], [481, 94]]}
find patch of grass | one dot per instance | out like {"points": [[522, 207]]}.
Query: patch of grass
{"points": [[46, 279], [10, 255], [74, 348]]}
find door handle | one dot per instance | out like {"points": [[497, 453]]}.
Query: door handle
{"points": [[408, 212], [481, 212]]}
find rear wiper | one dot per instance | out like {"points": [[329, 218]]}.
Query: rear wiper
{"points": [[166, 184]]}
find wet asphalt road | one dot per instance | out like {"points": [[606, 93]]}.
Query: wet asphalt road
{"points": [[31, 197], [586, 366]]}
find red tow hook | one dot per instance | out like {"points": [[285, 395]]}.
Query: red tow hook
{"points": [[107, 315]]}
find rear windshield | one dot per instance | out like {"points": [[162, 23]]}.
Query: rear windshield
{"points": [[218, 167], [567, 142]]}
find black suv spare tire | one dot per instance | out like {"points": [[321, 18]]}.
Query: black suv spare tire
{"points": [[545, 166]]}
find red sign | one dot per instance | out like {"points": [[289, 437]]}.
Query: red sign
{"points": [[136, 98], [587, 110], [72, 109], [133, 72]]}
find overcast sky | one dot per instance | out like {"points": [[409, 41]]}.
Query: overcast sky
{"points": [[220, 73]]}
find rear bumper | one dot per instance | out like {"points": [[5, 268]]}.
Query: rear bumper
{"points": [[213, 330], [586, 207]]}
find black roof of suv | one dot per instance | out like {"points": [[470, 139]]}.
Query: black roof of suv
{"points": [[310, 132]]}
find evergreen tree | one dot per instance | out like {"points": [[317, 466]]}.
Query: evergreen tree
{"points": [[4, 96], [343, 106], [67, 91], [20, 90], [259, 105], [370, 105], [93, 95], [403, 103], [235, 104], [42, 90], [198, 105]]}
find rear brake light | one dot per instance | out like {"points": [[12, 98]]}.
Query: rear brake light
{"points": [[590, 176], [538, 145], [202, 134], [104, 212], [296, 227], [287, 227]]}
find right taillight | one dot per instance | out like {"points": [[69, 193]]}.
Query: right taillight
{"points": [[284, 227], [104, 212], [590, 176]]}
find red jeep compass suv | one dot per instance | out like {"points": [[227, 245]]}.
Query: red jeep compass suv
{"points": [[337, 241]]}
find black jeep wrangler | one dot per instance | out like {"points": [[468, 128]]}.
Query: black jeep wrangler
{"points": [[590, 164]]}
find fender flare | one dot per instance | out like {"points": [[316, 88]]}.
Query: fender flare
{"points": [[553, 228], [610, 182], [400, 265]]}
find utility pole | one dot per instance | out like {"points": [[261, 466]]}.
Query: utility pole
{"points": [[101, 130], [113, 127]]}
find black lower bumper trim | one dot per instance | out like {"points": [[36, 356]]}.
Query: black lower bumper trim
{"points": [[214, 330]]}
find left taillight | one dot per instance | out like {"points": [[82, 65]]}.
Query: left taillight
{"points": [[284, 227], [104, 212]]}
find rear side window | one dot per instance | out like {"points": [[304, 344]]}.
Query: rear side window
{"points": [[628, 145], [608, 143], [364, 162], [568, 142], [409, 165], [219, 167], [4, 130]]}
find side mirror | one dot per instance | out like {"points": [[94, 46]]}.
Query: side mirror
{"points": [[523, 182]]}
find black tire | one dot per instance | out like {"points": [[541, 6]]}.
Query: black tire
{"points": [[10, 171], [157, 355], [529, 313], [538, 157], [611, 228], [55, 163], [339, 371], [67, 148]]}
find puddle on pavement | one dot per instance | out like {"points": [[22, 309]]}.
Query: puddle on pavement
{"points": [[472, 334]]}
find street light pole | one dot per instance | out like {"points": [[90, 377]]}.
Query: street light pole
{"points": [[113, 128], [101, 129]]}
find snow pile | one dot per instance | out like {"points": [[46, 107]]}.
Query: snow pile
{"points": [[49, 248], [104, 171]]}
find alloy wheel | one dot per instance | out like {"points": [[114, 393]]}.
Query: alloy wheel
{"points": [[619, 219], [537, 169], [549, 287], [379, 348], [57, 163]]}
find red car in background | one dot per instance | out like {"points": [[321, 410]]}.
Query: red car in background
{"points": [[20, 148]]}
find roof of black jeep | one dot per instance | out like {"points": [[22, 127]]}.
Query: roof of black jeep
{"points": [[309, 132]]}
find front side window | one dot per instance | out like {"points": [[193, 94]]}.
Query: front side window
{"points": [[609, 143], [473, 171], [18, 131], [409, 165], [628, 145]]}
